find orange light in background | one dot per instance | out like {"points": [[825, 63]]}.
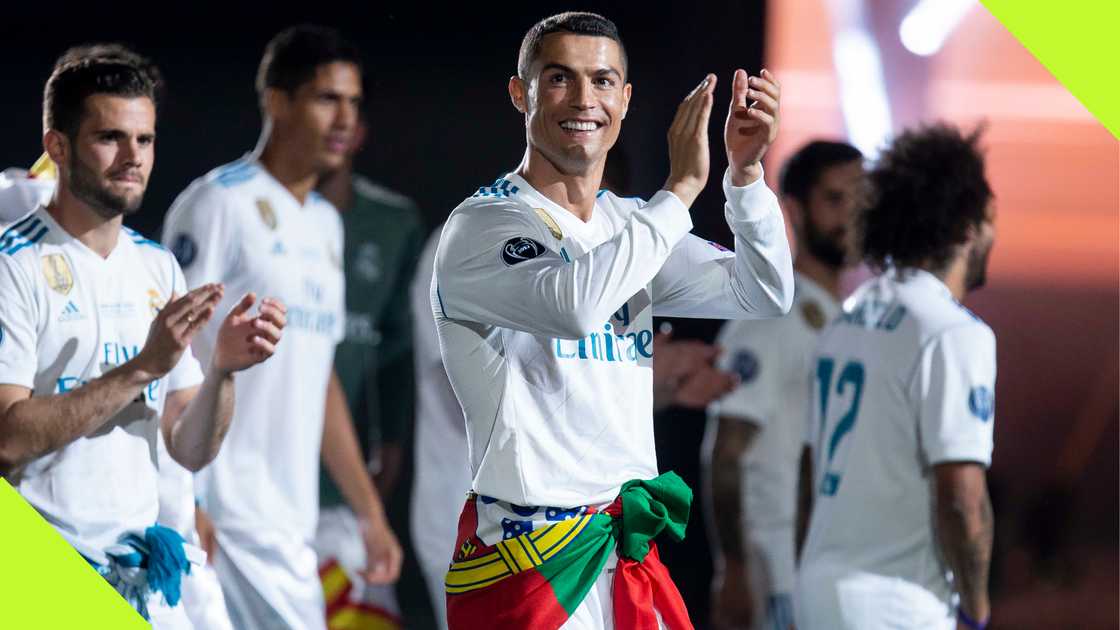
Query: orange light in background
{"points": [[1055, 169]]}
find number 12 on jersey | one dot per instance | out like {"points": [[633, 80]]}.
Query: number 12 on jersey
{"points": [[851, 378]]}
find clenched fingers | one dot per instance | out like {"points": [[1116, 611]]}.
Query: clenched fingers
{"points": [[266, 329]]}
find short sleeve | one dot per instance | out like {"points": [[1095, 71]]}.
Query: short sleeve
{"points": [[18, 329], [187, 372], [201, 232], [954, 391], [750, 349]]}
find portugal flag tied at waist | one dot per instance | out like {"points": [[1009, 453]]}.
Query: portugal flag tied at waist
{"points": [[538, 575]]}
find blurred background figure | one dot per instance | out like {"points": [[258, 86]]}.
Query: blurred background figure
{"points": [[903, 404], [754, 436], [383, 234], [258, 223], [21, 191]]}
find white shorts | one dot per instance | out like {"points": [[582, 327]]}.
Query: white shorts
{"points": [[203, 600], [269, 584], [832, 600], [164, 617]]}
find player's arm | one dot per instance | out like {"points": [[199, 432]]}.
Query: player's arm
{"points": [[701, 280], [732, 601], [804, 499], [343, 458], [31, 427], [965, 526], [953, 386], [196, 419], [492, 267]]}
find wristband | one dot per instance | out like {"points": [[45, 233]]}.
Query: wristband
{"points": [[963, 617]]}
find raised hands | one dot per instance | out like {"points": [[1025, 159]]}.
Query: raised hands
{"points": [[245, 340], [174, 327], [688, 143], [752, 124]]}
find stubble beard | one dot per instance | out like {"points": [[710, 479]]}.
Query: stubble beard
{"points": [[85, 186]]}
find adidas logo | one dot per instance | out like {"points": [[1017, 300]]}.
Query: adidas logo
{"points": [[70, 313]]}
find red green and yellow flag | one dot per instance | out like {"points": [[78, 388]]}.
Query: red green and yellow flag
{"points": [[539, 578]]}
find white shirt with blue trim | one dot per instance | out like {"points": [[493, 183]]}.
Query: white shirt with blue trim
{"points": [[546, 326], [238, 225], [68, 316], [772, 359], [902, 381]]}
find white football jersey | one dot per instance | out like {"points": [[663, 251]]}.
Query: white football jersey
{"points": [[238, 225], [20, 194], [545, 326], [67, 317], [772, 360], [902, 381]]}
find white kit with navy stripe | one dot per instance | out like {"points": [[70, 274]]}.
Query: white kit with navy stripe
{"points": [[67, 317], [238, 225], [546, 326], [901, 381]]}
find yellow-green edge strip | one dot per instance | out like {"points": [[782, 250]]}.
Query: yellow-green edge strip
{"points": [[1077, 42], [44, 583]]}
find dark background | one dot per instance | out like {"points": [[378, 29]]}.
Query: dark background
{"points": [[440, 118]]}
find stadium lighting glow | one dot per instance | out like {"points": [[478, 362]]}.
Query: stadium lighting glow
{"points": [[926, 27], [863, 95]]}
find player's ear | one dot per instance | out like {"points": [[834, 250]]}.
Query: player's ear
{"points": [[519, 94], [274, 102], [626, 90], [57, 146]]}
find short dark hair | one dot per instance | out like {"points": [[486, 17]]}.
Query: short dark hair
{"points": [[575, 22], [927, 189], [292, 57], [802, 170], [94, 69]]}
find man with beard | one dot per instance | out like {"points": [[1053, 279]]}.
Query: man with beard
{"points": [[259, 221], [902, 405], [95, 332], [754, 435]]}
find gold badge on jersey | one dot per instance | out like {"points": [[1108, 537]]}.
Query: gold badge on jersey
{"points": [[155, 302], [57, 272], [550, 222], [813, 315], [268, 215]]}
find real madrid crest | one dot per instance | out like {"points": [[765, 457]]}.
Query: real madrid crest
{"points": [[553, 227], [155, 302], [268, 215], [813, 314], [57, 272]]}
